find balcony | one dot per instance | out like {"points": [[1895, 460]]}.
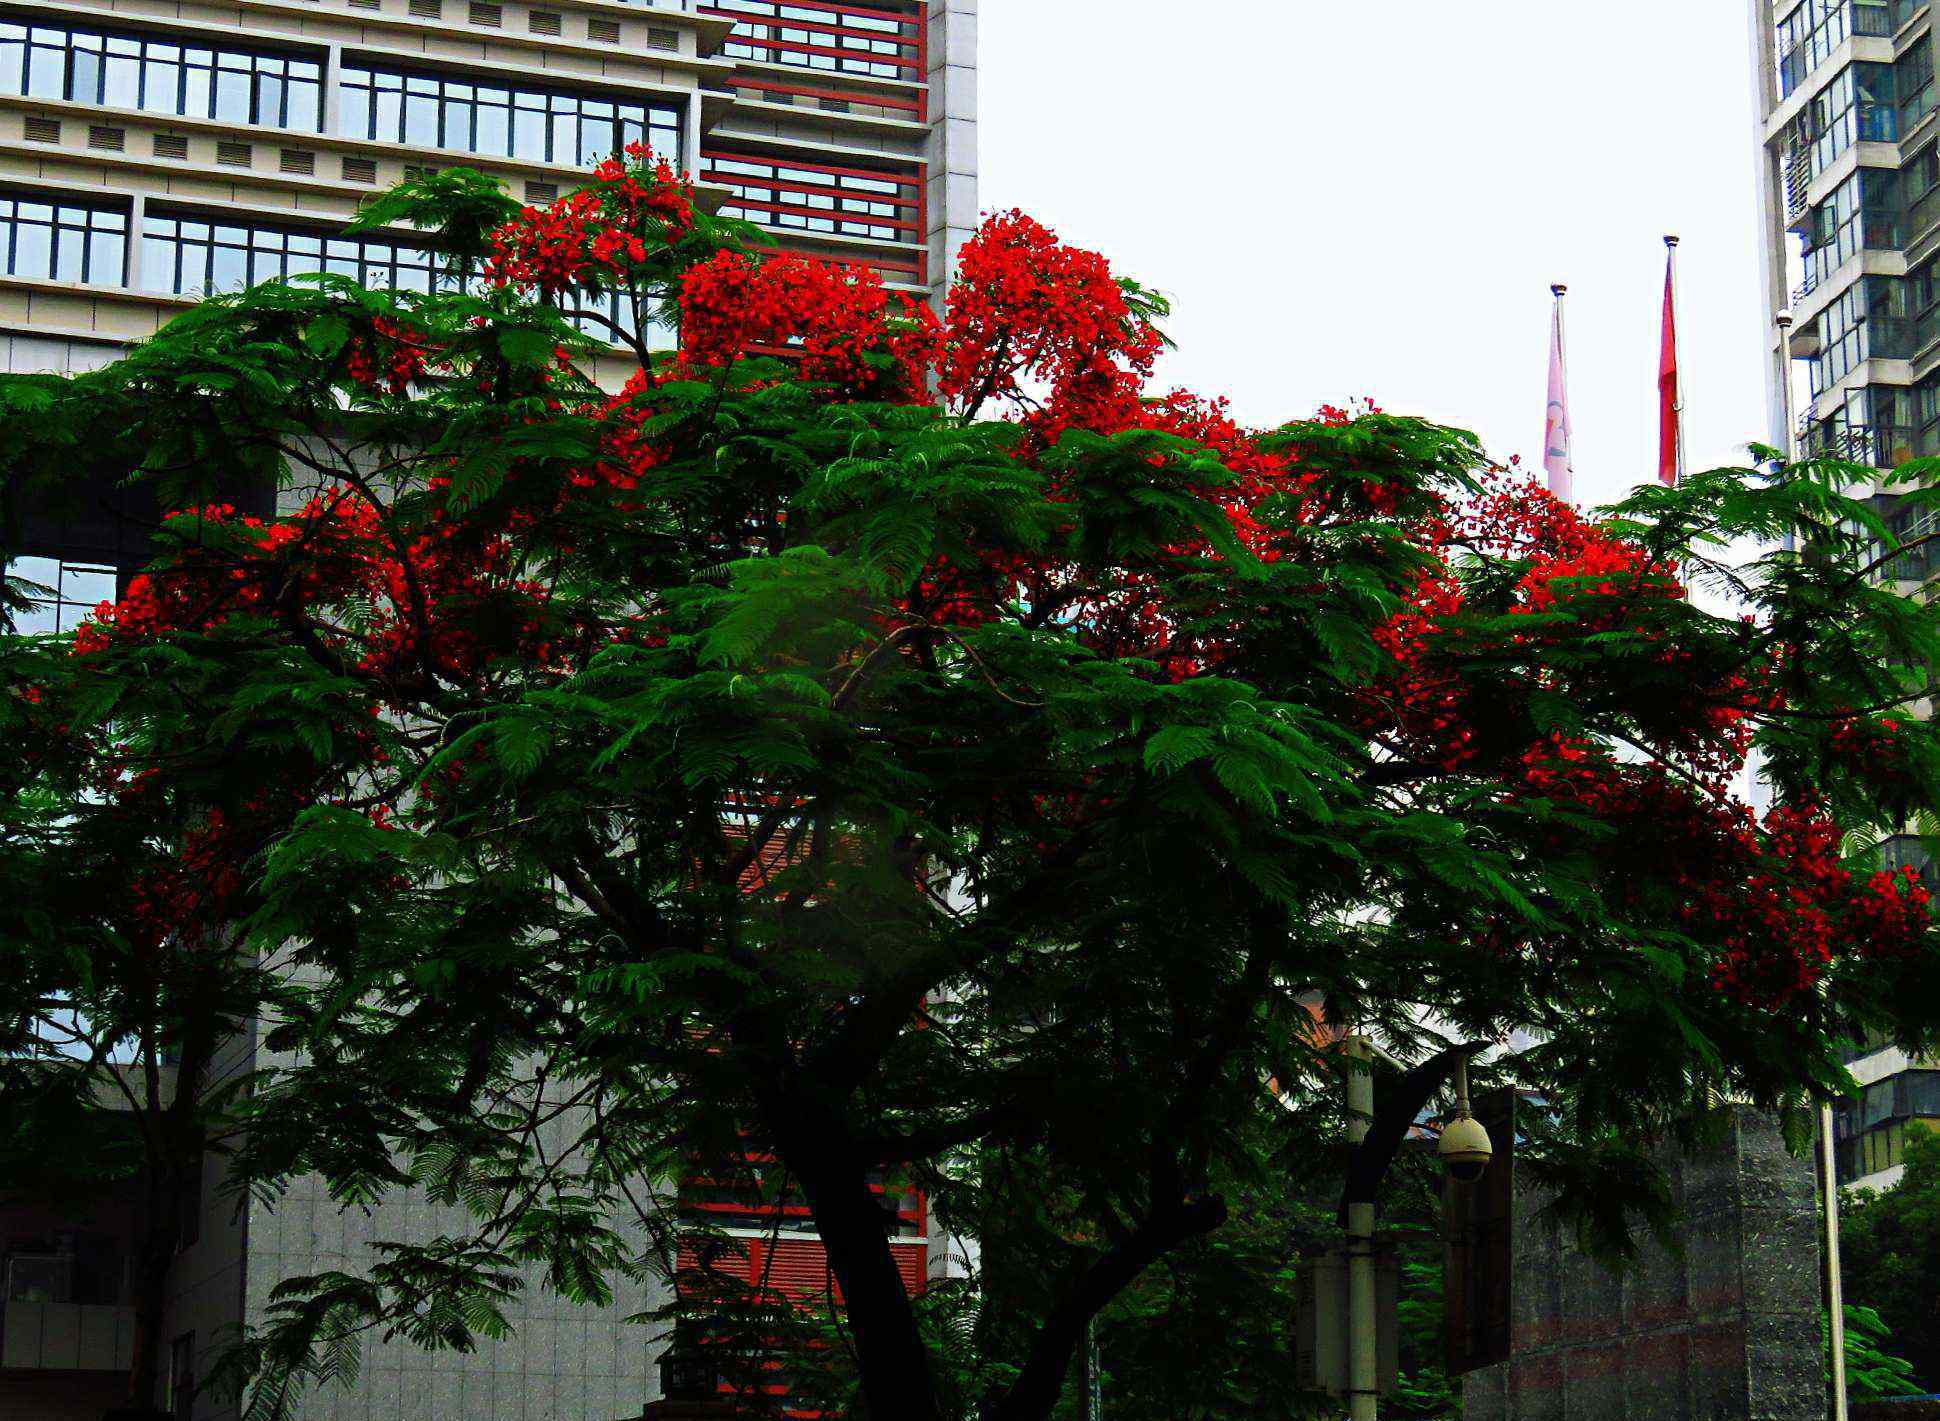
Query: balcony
{"points": [[67, 1309], [828, 37], [67, 1337], [1882, 447]]}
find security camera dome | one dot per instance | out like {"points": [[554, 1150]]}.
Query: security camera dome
{"points": [[1464, 1149]]}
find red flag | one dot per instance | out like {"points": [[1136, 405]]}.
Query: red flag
{"points": [[1670, 415]]}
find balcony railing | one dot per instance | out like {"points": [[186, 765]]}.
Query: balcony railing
{"points": [[1798, 182], [817, 198], [1881, 448], [827, 36]]}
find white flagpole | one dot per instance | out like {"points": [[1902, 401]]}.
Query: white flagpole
{"points": [[1560, 391], [1677, 355]]}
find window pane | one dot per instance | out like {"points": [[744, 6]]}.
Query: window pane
{"points": [[84, 76], [105, 259], [353, 112], [228, 272], [232, 96], [46, 73], [158, 254], [33, 248], [121, 87]]}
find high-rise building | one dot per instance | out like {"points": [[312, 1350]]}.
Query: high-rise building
{"points": [[1849, 182], [155, 151]]}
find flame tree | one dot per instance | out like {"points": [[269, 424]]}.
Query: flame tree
{"points": [[905, 744]]}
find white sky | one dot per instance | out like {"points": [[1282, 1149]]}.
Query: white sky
{"points": [[1345, 197]]}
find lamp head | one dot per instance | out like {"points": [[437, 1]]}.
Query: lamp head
{"points": [[1464, 1149]]}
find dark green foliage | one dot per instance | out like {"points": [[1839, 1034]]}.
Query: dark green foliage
{"points": [[1872, 1373], [1888, 1242]]}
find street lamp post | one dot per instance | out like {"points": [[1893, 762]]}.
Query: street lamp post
{"points": [[1363, 1344]]}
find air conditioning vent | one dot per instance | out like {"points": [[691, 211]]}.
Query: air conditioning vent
{"points": [[603, 31], [836, 105], [667, 41], [360, 170], [490, 15], [541, 192], [299, 161], [414, 171], [171, 145], [366, 4], [233, 154], [43, 130], [107, 140], [545, 22]]}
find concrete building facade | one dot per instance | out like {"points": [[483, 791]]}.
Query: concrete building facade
{"points": [[1849, 189], [155, 151]]}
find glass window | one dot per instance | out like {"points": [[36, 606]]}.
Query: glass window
{"points": [[182, 255], [1868, 320], [1812, 30], [539, 125], [1861, 213], [1913, 81], [66, 241], [65, 593], [159, 76], [179, 1400], [185, 255]]}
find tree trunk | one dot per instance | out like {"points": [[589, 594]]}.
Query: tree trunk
{"points": [[161, 1232], [896, 1380]]}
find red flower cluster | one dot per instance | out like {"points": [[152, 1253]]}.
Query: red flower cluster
{"points": [[602, 234], [839, 321], [1026, 309], [1426, 704], [448, 602], [1890, 918], [1771, 899], [627, 449], [1868, 747], [391, 356]]}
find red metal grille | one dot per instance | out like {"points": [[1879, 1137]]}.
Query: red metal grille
{"points": [[865, 41], [814, 197]]}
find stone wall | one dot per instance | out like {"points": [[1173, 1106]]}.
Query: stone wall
{"points": [[1726, 1330]]}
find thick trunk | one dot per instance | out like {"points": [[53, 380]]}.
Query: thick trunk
{"points": [[1041, 1382], [161, 1233], [175, 1149], [896, 1380]]}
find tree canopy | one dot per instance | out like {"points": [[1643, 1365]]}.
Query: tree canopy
{"points": [[899, 744]]}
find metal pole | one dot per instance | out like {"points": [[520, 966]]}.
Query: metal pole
{"points": [[1559, 291], [1363, 1345], [1677, 355], [1094, 1380], [1835, 1289], [1789, 434]]}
